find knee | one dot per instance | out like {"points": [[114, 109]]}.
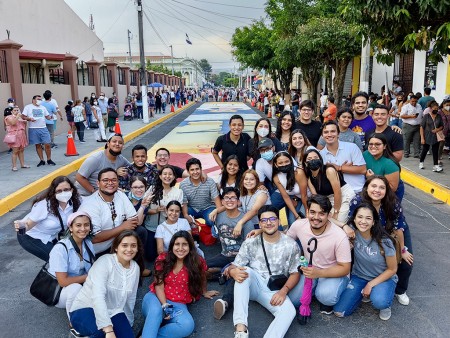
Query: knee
{"points": [[380, 301], [327, 294], [186, 322]]}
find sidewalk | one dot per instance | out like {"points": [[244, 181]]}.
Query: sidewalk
{"points": [[19, 186]]}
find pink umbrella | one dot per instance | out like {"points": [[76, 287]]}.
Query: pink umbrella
{"points": [[305, 310]]}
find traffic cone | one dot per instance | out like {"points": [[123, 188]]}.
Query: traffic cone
{"points": [[269, 113], [117, 127], [179, 104], [172, 108], [187, 101], [71, 149], [261, 107]]}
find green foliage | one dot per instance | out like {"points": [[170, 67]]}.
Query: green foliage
{"points": [[396, 27], [205, 67]]}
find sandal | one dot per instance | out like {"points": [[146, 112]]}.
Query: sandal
{"points": [[14, 169], [25, 166]]}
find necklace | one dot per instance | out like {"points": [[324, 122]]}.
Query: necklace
{"points": [[325, 228]]}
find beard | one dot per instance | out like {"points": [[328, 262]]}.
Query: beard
{"points": [[107, 193], [114, 153]]}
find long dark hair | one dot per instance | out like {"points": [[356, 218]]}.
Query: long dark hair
{"points": [[224, 178], [192, 262], [50, 193], [387, 152], [377, 232], [255, 153], [388, 202], [139, 258], [279, 131], [158, 189], [290, 176], [292, 150]]}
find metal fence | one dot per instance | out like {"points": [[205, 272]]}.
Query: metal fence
{"points": [[105, 77], [3, 67], [85, 74], [58, 76], [133, 78], [121, 76]]}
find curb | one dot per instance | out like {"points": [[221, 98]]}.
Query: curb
{"points": [[426, 185], [10, 202]]}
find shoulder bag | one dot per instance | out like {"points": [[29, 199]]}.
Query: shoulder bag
{"points": [[45, 286], [276, 282], [440, 134]]}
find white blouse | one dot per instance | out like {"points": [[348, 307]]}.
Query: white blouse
{"points": [[109, 289]]}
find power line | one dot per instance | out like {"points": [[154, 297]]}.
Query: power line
{"points": [[229, 5], [156, 31]]}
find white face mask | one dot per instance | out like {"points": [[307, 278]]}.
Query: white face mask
{"points": [[263, 132], [64, 196], [447, 108], [10, 104], [38, 102], [101, 97]]}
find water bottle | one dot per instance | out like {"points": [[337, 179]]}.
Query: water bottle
{"points": [[303, 261]]}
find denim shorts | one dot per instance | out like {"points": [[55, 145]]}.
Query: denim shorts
{"points": [[38, 136]]}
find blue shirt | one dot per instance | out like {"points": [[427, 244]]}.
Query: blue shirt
{"points": [[51, 108]]}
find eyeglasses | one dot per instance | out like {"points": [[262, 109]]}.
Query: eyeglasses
{"points": [[230, 199], [62, 190], [109, 180], [376, 145], [272, 219], [308, 110], [141, 187]]}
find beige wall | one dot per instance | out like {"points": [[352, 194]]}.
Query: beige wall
{"points": [[58, 23], [107, 90], [121, 94], [5, 94], [86, 91]]}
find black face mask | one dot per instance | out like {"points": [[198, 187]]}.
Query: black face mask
{"points": [[314, 164], [114, 153], [434, 111], [286, 168]]}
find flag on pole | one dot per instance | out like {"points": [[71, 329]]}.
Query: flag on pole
{"points": [[187, 39]]}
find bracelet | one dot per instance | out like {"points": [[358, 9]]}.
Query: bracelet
{"points": [[405, 249], [108, 332], [287, 287]]}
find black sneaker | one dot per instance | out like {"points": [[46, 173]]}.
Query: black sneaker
{"points": [[325, 309], [50, 162], [41, 163]]}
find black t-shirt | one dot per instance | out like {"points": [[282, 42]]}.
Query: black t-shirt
{"points": [[296, 98], [7, 111], [178, 171], [395, 140], [228, 147], [312, 130], [323, 185]]}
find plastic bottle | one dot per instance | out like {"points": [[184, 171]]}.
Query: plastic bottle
{"points": [[303, 261]]}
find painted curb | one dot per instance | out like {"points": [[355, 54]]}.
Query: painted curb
{"points": [[23, 194], [426, 185]]}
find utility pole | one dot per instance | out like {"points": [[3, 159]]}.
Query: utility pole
{"points": [[129, 46], [142, 71], [171, 53]]}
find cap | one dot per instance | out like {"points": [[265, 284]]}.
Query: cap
{"points": [[10, 100], [75, 215], [69, 102], [265, 143]]}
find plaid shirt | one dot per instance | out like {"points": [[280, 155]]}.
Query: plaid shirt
{"points": [[150, 173]]}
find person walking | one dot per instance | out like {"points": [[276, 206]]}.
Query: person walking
{"points": [[79, 116], [430, 129], [16, 137]]}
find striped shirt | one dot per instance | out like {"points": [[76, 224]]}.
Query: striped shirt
{"points": [[199, 197]]}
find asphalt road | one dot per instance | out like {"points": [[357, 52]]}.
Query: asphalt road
{"points": [[427, 315]]}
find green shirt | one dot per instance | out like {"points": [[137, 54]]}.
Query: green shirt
{"points": [[383, 166]]}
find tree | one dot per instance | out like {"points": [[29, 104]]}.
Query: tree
{"points": [[205, 67], [397, 27]]}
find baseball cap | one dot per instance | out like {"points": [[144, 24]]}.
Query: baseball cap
{"points": [[10, 100], [265, 143]]}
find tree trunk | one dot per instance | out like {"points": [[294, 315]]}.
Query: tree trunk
{"points": [[340, 68], [311, 76]]}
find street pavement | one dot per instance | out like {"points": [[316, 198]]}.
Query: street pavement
{"points": [[427, 315]]}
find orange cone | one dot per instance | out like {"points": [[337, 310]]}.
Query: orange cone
{"points": [[172, 108], [261, 107], [187, 101], [71, 149], [179, 104], [269, 113], [117, 127]]}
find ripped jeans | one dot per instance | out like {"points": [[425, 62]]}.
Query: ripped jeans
{"points": [[381, 295]]}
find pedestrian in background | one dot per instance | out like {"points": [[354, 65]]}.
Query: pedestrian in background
{"points": [[16, 135], [79, 116]]}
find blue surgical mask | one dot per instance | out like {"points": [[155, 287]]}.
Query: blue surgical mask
{"points": [[268, 155], [135, 197]]}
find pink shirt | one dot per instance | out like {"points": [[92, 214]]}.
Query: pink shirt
{"points": [[332, 246]]}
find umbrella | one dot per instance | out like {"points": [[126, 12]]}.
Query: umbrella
{"points": [[305, 310], [156, 85]]}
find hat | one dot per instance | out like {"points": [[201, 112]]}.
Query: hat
{"points": [[10, 100], [75, 215], [265, 143]]}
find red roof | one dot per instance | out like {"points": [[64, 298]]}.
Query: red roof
{"points": [[34, 55]]}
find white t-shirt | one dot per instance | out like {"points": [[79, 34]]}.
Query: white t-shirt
{"points": [[101, 214], [263, 169], [55, 116], [38, 113], [166, 231]]}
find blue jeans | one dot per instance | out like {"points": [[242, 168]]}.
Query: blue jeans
{"points": [[180, 326], [83, 320], [396, 122], [35, 246], [381, 295], [326, 290], [400, 192], [205, 215], [295, 111], [300, 210], [89, 119], [404, 269], [277, 200]]}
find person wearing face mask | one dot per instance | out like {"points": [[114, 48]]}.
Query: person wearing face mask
{"points": [[38, 133], [263, 129], [430, 126], [99, 132], [86, 177], [327, 181], [38, 231], [8, 109], [445, 114], [16, 129], [103, 105], [263, 166]]}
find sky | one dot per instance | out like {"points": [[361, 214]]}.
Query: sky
{"points": [[209, 25]]}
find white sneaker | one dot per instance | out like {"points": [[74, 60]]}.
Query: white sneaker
{"points": [[241, 334], [421, 165], [437, 169], [403, 298], [220, 307], [385, 314]]}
